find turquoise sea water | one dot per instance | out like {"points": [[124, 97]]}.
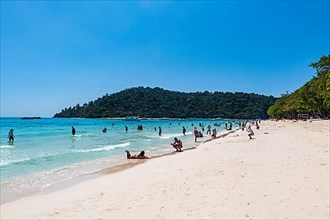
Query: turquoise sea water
{"points": [[45, 151]]}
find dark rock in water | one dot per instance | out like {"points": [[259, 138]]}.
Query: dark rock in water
{"points": [[30, 118]]}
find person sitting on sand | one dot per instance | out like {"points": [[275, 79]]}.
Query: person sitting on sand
{"points": [[139, 156], [177, 144]]}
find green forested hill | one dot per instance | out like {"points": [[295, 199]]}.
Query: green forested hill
{"points": [[312, 98], [157, 103]]}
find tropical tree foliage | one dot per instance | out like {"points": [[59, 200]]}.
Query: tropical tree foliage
{"points": [[157, 103], [312, 98]]}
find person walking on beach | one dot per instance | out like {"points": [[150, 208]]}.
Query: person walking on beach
{"points": [[73, 130], [208, 132], [214, 135], [184, 130], [177, 144], [243, 125], [141, 155], [11, 135], [250, 131], [196, 134], [230, 126], [160, 131]]}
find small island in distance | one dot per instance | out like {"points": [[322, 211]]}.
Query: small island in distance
{"points": [[156, 102]]}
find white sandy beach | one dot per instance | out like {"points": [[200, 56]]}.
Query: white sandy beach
{"points": [[282, 173]]}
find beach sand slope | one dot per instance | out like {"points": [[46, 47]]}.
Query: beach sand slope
{"points": [[282, 173]]}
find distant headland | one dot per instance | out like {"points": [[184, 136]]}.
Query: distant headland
{"points": [[147, 102]]}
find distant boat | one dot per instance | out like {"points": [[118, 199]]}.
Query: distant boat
{"points": [[132, 118], [30, 118]]}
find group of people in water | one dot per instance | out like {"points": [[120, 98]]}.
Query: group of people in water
{"points": [[177, 144]]}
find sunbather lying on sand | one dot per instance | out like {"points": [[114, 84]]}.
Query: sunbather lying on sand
{"points": [[139, 156]]}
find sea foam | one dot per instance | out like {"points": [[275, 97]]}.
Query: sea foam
{"points": [[6, 146], [105, 148]]}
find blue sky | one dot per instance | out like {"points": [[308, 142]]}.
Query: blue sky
{"points": [[55, 54]]}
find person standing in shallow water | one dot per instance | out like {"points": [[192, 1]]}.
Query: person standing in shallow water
{"points": [[11, 135], [126, 128], [160, 131], [184, 130], [73, 130]]}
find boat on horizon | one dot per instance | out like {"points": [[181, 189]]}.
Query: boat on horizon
{"points": [[30, 118]]}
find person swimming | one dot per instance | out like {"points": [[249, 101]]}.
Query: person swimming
{"points": [[139, 156]]}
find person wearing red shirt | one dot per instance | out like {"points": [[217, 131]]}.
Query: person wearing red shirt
{"points": [[195, 133]]}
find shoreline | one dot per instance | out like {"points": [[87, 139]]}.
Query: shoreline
{"points": [[116, 167], [282, 173], [122, 167]]}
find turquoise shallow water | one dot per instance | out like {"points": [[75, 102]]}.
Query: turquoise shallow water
{"points": [[45, 152]]}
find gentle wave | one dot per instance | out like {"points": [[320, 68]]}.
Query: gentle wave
{"points": [[7, 146], [51, 156], [83, 135], [105, 148], [173, 135], [27, 159], [4, 163]]}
